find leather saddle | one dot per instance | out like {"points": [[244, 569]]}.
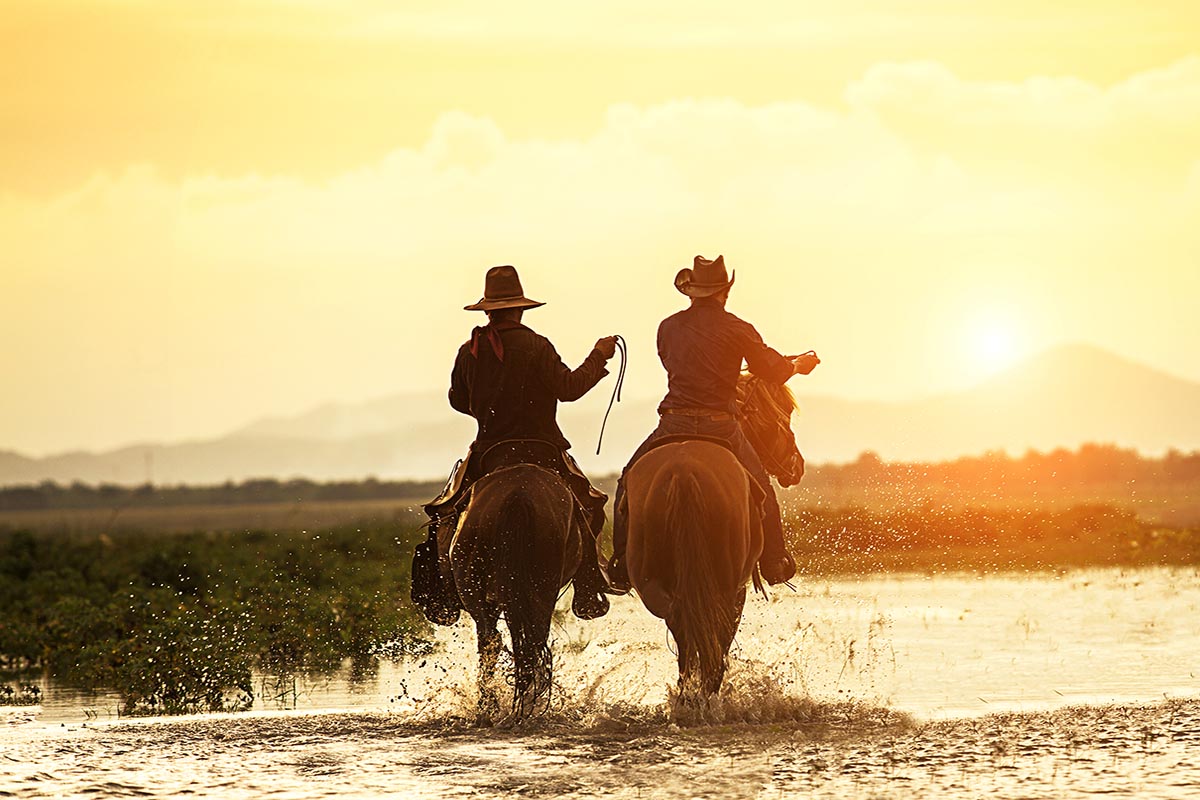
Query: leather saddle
{"points": [[757, 491], [506, 454]]}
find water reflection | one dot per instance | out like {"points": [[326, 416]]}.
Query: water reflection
{"points": [[849, 688], [838, 751]]}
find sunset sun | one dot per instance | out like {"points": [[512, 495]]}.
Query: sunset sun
{"points": [[991, 342], [994, 345]]}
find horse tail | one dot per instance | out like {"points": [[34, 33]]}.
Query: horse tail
{"points": [[517, 554], [698, 610]]}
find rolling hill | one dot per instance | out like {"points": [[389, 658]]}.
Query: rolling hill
{"points": [[1062, 397]]}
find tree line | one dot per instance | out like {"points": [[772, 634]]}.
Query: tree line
{"points": [[1089, 465], [51, 495]]}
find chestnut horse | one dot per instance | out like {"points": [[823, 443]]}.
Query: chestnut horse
{"points": [[516, 546], [695, 531]]}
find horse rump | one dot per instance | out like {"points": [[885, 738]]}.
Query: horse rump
{"points": [[520, 589], [701, 617]]}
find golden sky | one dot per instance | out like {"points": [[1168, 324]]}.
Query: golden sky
{"points": [[212, 211]]}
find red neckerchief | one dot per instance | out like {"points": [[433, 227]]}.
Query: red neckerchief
{"points": [[492, 332]]}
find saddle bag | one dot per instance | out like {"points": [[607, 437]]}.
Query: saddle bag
{"points": [[438, 602]]}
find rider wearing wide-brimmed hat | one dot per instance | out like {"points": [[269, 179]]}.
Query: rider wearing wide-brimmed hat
{"points": [[511, 379], [703, 348]]}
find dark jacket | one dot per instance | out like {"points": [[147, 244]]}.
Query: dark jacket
{"points": [[703, 348], [510, 380]]}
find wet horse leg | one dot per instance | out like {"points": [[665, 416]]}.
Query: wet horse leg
{"points": [[490, 645], [713, 681], [685, 662], [531, 660], [689, 667]]}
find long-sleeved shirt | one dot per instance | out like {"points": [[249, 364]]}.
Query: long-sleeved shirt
{"points": [[703, 347], [512, 387]]}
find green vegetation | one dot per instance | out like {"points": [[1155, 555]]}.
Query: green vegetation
{"points": [[175, 597], [177, 624]]}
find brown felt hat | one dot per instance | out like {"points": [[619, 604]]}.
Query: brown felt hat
{"points": [[705, 278], [502, 289]]}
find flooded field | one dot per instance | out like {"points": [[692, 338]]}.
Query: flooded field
{"points": [[1008, 686]]}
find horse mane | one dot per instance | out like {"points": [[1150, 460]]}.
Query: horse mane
{"points": [[782, 399], [791, 399]]}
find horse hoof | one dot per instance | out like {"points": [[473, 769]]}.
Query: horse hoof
{"points": [[589, 605]]}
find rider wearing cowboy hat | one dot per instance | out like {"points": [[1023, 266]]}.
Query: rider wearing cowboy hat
{"points": [[703, 348], [511, 380]]}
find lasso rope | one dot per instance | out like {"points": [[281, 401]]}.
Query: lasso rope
{"points": [[616, 396]]}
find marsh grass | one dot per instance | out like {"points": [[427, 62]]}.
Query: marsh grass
{"points": [[27, 694], [935, 539], [177, 624]]}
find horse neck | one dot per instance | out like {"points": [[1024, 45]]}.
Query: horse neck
{"points": [[764, 419]]}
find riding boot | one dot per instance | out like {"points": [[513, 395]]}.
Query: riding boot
{"points": [[776, 565], [589, 601], [618, 572]]}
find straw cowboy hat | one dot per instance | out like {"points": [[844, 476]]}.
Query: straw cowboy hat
{"points": [[502, 289], [705, 278]]}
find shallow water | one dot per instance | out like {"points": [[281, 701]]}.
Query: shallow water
{"points": [[1005, 685]]}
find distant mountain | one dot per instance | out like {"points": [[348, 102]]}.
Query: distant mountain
{"points": [[1062, 397], [334, 421]]}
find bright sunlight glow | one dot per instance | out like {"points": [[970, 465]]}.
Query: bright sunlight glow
{"points": [[993, 345]]}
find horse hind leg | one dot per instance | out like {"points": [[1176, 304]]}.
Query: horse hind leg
{"points": [[727, 628], [490, 645], [691, 685], [713, 675], [532, 663]]}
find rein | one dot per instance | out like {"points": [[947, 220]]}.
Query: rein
{"points": [[616, 395]]}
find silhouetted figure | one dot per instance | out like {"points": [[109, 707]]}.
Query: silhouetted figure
{"points": [[511, 379], [703, 348]]}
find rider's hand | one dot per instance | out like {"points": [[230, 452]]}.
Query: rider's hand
{"points": [[806, 363], [607, 346]]}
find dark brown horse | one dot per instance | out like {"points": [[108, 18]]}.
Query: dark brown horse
{"points": [[516, 546], [695, 532]]}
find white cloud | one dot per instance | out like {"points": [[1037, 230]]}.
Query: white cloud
{"points": [[1042, 127], [204, 302]]}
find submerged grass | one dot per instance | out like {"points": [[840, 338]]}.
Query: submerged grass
{"points": [[177, 624]]}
